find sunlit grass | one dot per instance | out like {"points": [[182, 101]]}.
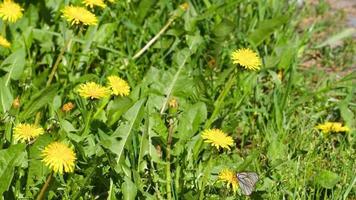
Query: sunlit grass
{"points": [[137, 94]]}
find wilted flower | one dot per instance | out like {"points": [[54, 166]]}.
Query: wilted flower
{"points": [[59, 157], [119, 86], [16, 103], [10, 11], [217, 138], [93, 91], [78, 15], [246, 58], [27, 132], [67, 107]]}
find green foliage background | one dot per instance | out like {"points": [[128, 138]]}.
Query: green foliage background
{"points": [[121, 143]]}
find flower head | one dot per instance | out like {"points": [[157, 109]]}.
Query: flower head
{"points": [[335, 127], [217, 138], [59, 157], [4, 42], [78, 15], [27, 132], [16, 103], [230, 177], [173, 103], [246, 58], [10, 11], [119, 86], [67, 107], [93, 91], [184, 6], [92, 3]]}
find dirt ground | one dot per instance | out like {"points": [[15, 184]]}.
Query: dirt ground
{"points": [[349, 7]]}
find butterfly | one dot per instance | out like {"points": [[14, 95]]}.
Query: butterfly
{"points": [[247, 181]]}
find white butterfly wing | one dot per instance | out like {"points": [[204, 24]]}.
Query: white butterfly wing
{"points": [[247, 182]]}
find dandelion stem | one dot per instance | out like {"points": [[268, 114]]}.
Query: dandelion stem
{"points": [[218, 103], [205, 177], [153, 40], [59, 59], [44, 187], [168, 170]]}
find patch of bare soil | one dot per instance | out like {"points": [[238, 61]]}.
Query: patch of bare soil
{"points": [[342, 14]]}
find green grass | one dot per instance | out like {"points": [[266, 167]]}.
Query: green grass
{"points": [[122, 144]]}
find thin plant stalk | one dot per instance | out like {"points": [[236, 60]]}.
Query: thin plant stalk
{"points": [[58, 60], [205, 177], [155, 38], [168, 169], [45, 187], [217, 106], [218, 103]]}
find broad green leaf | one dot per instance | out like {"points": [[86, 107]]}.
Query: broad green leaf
{"points": [[36, 168], [327, 179], [129, 189], [194, 41], [116, 108], [117, 141], [191, 119], [6, 97], [9, 159], [39, 100], [224, 28], [14, 65], [180, 59], [266, 28]]}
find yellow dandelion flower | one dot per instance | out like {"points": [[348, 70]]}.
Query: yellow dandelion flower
{"points": [[93, 91], [230, 177], [246, 58], [67, 107], [27, 132], [4, 42], [217, 138], [334, 127], [59, 157], [119, 86], [10, 11], [78, 15], [92, 3]]}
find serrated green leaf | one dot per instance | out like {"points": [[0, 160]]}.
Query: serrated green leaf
{"points": [[9, 159]]}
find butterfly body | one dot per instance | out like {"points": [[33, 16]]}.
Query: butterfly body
{"points": [[247, 182]]}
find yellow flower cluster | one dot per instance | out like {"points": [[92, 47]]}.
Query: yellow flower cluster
{"points": [[116, 86], [247, 58], [10, 11], [217, 138], [332, 127], [79, 15], [59, 157], [27, 132], [230, 178]]}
